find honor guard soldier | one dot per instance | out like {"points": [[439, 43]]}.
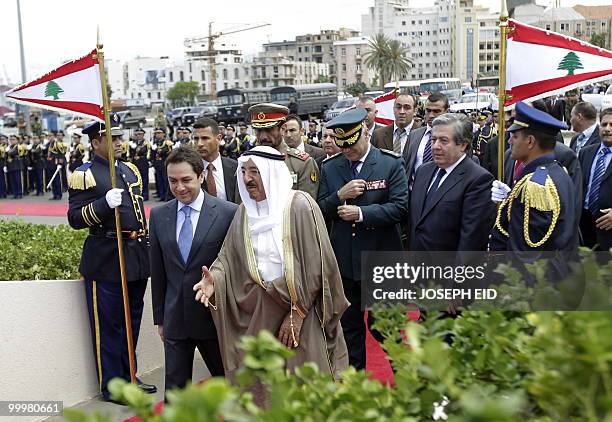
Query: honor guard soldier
{"points": [[77, 153], [140, 151], [364, 193], [183, 137], [267, 119], [64, 169], [91, 205], [37, 166], [14, 166], [57, 158], [486, 132], [124, 152], [539, 213], [24, 148], [246, 141], [162, 148], [3, 168]]}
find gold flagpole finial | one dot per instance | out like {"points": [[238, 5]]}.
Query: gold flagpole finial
{"points": [[503, 13], [98, 40]]}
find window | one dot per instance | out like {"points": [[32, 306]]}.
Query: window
{"points": [[236, 74], [159, 95], [236, 84], [564, 27], [181, 76], [306, 49], [225, 85], [225, 74], [413, 22], [343, 82], [190, 69], [427, 22], [246, 84], [343, 51], [358, 51], [140, 95], [468, 19], [344, 67], [202, 75], [548, 27], [403, 23], [420, 22], [171, 77], [299, 49], [149, 95]]}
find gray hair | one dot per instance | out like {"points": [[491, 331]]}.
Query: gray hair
{"points": [[462, 126]]}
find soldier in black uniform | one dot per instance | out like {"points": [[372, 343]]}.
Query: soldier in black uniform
{"points": [[3, 168], [92, 201], [246, 141], [25, 162], [57, 159], [162, 148], [550, 223], [64, 169], [139, 152], [14, 166], [484, 134], [37, 166], [77, 153]]}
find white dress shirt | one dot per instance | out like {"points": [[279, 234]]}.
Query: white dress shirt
{"points": [[218, 176], [449, 170], [196, 207], [421, 150], [587, 134], [359, 166], [269, 262]]}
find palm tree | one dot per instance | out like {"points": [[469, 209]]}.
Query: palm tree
{"points": [[376, 56], [398, 62]]}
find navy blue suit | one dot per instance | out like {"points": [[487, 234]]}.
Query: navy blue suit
{"points": [[187, 324], [87, 208], [383, 205], [592, 236]]}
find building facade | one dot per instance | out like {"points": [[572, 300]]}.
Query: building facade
{"points": [[350, 66]]}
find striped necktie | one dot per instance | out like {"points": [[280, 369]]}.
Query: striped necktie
{"points": [[186, 234], [600, 170], [427, 156], [397, 140]]}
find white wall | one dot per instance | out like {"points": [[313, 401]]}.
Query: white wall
{"points": [[46, 349]]}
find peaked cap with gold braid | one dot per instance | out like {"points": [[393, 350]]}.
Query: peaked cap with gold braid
{"points": [[348, 126]]}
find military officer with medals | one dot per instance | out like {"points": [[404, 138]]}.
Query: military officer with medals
{"points": [[14, 168], [484, 134], [3, 168], [538, 214], [364, 193], [140, 150], [92, 201], [267, 120], [24, 148], [56, 158], [37, 166]]}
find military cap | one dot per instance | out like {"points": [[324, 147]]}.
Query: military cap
{"points": [[243, 125], [97, 128], [540, 121], [159, 129], [76, 135], [267, 115], [139, 129], [348, 126]]}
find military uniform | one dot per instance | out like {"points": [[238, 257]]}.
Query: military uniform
{"points": [[140, 151], [382, 206], [23, 149], [483, 136], [161, 150], [77, 156], [14, 166], [3, 149], [302, 166], [37, 162], [57, 159], [246, 142], [88, 209]]}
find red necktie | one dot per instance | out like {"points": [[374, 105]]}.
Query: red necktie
{"points": [[518, 170], [210, 180]]}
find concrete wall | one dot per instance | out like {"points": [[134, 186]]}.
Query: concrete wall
{"points": [[46, 349]]}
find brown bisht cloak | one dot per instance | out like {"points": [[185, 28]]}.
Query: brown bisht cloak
{"points": [[311, 282]]}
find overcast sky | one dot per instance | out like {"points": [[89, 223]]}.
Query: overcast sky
{"points": [[57, 30]]}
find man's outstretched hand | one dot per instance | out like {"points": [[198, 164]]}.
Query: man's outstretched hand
{"points": [[205, 289]]}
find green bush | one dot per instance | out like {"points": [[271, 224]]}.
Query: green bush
{"points": [[39, 252]]}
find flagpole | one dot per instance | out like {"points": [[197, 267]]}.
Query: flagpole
{"points": [[113, 176], [501, 133]]}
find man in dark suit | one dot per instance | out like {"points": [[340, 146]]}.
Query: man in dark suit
{"points": [[363, 192], [293, 136], [555, 106], [369, 105], [596, 218], [419, 140], [219, 172], [394, 137], [185, 234], [584, 122], [450, 204]]}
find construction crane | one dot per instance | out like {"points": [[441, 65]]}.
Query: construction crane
{"points": [[211, 50]]}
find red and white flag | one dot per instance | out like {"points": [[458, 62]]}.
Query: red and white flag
{"points": [[384, 106], [73, 87], [541, 63]]}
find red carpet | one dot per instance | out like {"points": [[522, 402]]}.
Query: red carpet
{"points": [[40, 209]]}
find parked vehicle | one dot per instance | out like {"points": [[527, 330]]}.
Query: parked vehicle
{"points": [[195, 113], [76, 121], [600, 101], [176, 115], [475, 102], [233, 104], [131, 119], [312, 99], [338, 107], [10, 120]]}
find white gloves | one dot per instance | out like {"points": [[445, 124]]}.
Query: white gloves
{"points": [[30, 169], [5, 168], [133, 145], [59, 166], [499, 191], [113, 197], [154, 147]]}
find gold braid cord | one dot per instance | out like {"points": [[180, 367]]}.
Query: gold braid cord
{"points": [[533, 195]]}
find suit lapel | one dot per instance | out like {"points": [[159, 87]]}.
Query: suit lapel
{"points": [[208, 215], [368, 165], [171, 216], [389, 138], [419, 191], [345, 171], [229, 179], [450, 181]]}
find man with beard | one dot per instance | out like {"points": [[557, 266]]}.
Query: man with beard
{"points": [[267, 120]]}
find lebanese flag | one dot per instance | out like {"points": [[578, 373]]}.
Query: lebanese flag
{"points": [[384, 106], [73, 87], [541, 63]]}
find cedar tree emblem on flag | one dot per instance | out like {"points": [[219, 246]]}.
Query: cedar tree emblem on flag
{"points": [[53, 90], [570, 62]]}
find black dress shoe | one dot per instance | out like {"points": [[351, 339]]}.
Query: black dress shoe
{"points": [[147, 388], [115, 402]]}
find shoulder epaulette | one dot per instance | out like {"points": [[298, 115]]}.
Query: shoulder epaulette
{"points": [[136, 172], [82, 178], [302, 155], [338, 154], [391, 153]]}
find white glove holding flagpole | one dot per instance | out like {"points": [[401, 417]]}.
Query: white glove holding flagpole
{"points": [[113, 197], [499, 191], [59, 167]]}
